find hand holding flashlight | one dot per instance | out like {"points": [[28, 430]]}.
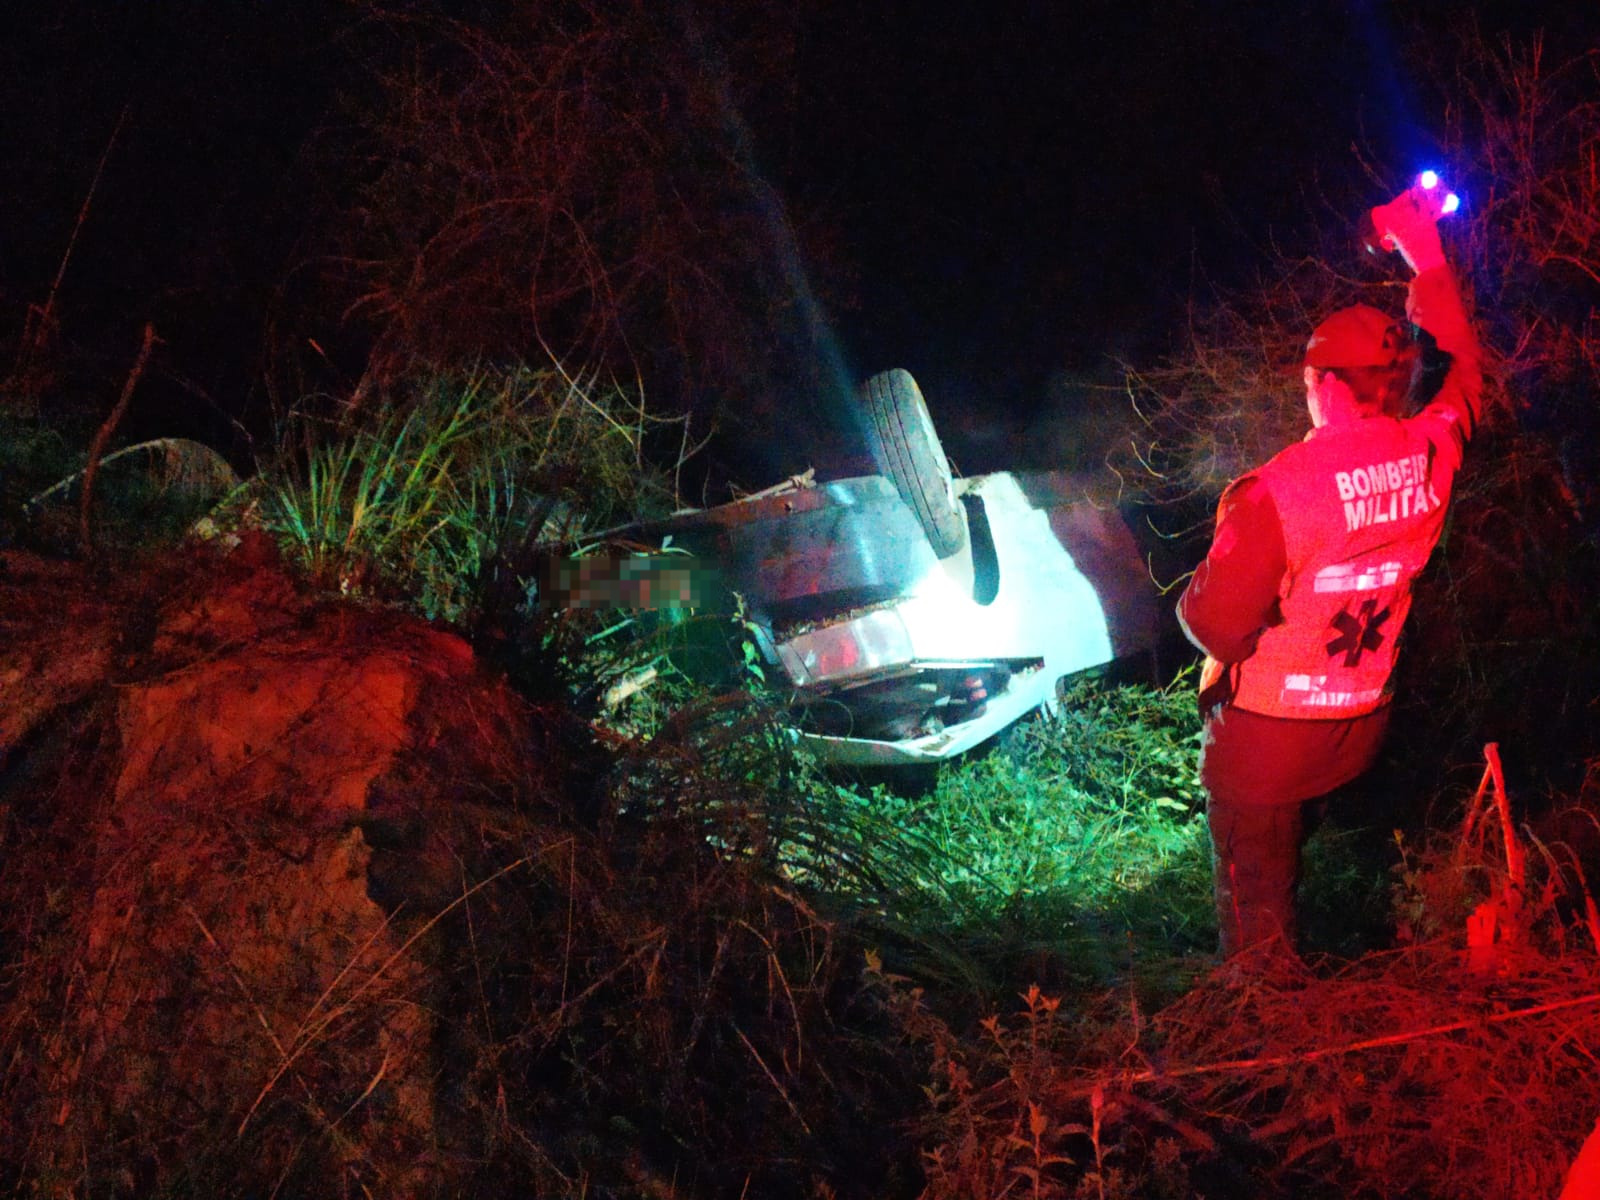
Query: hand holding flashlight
{"points": [[1408, 223]]}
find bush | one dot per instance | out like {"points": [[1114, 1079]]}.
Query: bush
{"points": [[643, 235], [1077, 851], [32, 457], [416, 498], [1447, 1068]]}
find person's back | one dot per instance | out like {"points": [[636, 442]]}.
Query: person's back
{"points": [[1300, 602]]}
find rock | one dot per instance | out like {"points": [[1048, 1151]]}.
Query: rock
{"points": [[223, 968]]}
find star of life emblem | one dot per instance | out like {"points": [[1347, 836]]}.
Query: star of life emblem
{"points": [[1358, 632]]}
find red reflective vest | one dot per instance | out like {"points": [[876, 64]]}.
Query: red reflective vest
{"points": [[1301, 599], [1361, 506]]}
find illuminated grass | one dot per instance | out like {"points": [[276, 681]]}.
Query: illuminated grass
{"points": [[1080, 847], [1076, 855]]}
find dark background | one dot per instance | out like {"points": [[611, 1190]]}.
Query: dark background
{"points": [[1023, 194]]}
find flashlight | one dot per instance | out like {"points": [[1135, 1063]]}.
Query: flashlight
{"points": [[1428, 181], [1426, 193]]}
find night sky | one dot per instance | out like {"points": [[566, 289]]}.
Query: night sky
{"points": [[1042, 192], [1019, 190]]}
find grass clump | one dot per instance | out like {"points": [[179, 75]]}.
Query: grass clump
{"points": [[1076, 856], [1079, 847], [32, 457], [417, 498], [146, 495]]}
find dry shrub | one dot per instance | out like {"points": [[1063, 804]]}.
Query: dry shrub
{"points": [[1234, 399], [648, 1009], [1507, 635], [582, 174], [1442, 1069], [1402, 1075], [1518, 136]]}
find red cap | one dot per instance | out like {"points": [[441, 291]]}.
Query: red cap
{"points": [[1358, 336]]}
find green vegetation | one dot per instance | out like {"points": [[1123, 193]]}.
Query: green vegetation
{"points": [[146, 494], [699, 960], [412, 498], [1074, 849], [33, 456], [1071, 861]]}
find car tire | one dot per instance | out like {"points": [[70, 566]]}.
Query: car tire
{"points": [[907, 450]]}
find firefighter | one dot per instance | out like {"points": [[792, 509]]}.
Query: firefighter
{"points": [[1301, 599]]}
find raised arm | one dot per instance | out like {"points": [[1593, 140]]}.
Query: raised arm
{"points": [[1409, 224]]}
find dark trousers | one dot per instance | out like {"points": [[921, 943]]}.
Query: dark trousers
{"points": [[1255, 870], [1266, 779]]}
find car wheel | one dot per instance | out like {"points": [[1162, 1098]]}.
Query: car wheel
{"points": [[908, 452]]}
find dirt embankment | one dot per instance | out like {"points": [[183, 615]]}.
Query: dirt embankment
{"points": [[232, 816]]}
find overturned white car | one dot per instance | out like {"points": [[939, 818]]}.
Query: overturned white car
{"points": [[915, 615]]}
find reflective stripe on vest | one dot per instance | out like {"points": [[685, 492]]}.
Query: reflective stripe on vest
{"points": [[1362, 506]]}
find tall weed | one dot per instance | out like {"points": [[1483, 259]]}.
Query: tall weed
{"points": [[417, 498]]}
